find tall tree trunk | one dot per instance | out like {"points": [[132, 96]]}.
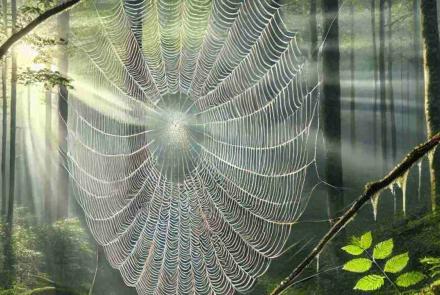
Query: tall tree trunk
{"points": [[331, 107], [420, 130], [9, 261], [352, 78], [313, 31], [13, 127], [48, 204], [4, 115], [432, 87], [382, 90], [63, 96], [390, 84], [375, 70]]}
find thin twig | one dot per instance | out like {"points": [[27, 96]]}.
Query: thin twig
{"points": [[96, 271], [33, 24], [371, 190]]}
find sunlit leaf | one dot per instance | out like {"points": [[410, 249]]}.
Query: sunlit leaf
{"points": [[358, 265], [366, 240], [353, 250], [409, 279], [397, 263], [370, 283], [383, 249]]}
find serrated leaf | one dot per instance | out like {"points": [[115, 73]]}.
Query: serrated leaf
{"points": [[383, 249], [369, 283], [409, 279], [353, 250], [397, 263], [358, 265], [366, 240]]}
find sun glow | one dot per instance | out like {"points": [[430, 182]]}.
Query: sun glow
{"points": [[26, 53]]}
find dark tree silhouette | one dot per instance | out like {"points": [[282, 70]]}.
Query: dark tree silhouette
{"points": [[4, 114], [375, 74], [432, 86], [313, 31], [382, 89], [352, 78], [331, 107], [390, 82]]}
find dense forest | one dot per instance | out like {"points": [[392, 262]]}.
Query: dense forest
{"points": [[220, 147]]}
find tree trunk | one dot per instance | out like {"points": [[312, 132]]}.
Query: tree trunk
{"points": [[331, 107], [432, 87], [48, 205], [9, 261], [63, 176], [390, 84], [382, 90], [4, 115], [352, 78], [13, 127], [313, 31], [375, 69], [417, 63]]}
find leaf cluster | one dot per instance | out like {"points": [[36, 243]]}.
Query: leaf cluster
{"points": [[48, 77], [381, 256]]}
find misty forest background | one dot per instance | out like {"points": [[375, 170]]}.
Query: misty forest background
{"points": [[379, 63]]}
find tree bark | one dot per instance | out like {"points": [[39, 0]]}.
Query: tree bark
{"points": [[390, 83], [371, 190], [352, 80], [417, 64], [9, 257], [382, 90], [48, 204], [4, 203], [63, 96], [375, 70], [313, 31], [432, 87], [331, 107]]}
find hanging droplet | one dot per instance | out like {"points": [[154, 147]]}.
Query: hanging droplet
{"points": [[392, 189], [374, 203], [317, 263], [403, 183], [419, 188]]}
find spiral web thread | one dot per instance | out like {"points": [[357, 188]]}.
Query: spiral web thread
{"points": [[190, 134]]}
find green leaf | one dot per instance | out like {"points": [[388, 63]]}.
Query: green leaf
{"points": [[366, 240], [409, 279], [383, 249], [397, 263], [369, 283], [358, 265], [353, 250]]}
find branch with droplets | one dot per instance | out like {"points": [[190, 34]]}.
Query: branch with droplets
{"points": [[33, 24], [372, 191]]}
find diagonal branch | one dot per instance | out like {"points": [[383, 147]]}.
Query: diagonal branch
{"points": [[33, 24], [371, 189]]}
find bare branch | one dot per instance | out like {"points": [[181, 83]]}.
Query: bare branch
{"points": [[33, 24], [371, 189]]}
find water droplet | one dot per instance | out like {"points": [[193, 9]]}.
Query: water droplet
{"points": [[374, 203], [419, 188], [403, 183], [317, 263]]}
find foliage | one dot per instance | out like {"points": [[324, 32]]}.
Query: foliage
{"points": [[69, 258], [48, 77], [381, 251], [50, 257]]}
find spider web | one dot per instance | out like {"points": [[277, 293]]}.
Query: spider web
{"points": [[190, 135]]}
